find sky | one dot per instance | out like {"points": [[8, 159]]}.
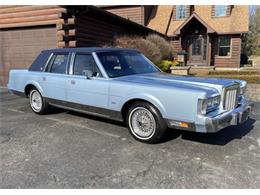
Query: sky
{"points": [[252, 9]]}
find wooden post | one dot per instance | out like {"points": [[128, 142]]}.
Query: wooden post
{"points": [[208, 57]]}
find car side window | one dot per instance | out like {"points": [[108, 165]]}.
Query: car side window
{"points": [[59, 63], [85, 63]]}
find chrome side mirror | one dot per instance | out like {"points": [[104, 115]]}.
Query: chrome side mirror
{"points": [[88, 74]]}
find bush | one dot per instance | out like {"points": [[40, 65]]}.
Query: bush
{"points": [[126, 41], [165, 65], [165, 48], [149, 49], [175, 63]]}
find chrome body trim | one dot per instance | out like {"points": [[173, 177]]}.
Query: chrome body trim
{"points": [[236, 116], [46, 64], [91, 110], [230, 97]]}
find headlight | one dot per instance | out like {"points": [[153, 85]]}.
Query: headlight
{"points": [[207, 105]]}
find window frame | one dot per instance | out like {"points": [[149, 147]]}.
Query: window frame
{"points": [[219, 16], [230, 47], [51, 59], [72, 63], [177, 12]]}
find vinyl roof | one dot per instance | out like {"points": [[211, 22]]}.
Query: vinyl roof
{"points": [[87, 49]]}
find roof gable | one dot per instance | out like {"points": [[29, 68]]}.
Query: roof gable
{"points": [[189, 20]]}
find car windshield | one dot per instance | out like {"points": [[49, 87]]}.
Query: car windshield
{"points": [[122, 63]]}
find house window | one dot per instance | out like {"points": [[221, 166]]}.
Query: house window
{"points": [[220, 10], [180, 11], [224, 45]]}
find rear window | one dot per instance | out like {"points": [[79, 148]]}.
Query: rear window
{"points": [[59, 63], [39, 62]]}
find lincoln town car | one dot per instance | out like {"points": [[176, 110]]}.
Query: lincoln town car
{"points": [[124, 85]]}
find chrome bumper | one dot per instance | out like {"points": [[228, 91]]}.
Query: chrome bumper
{"points": [[234, 117]]}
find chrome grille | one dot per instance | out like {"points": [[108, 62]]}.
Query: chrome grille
{"points": [[231, 97]]}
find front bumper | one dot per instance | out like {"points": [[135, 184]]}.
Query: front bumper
{"points": [[214, 123], [234, 117]]}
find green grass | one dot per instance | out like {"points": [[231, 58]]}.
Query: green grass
{"points": [[239, 73], [254, 79]]}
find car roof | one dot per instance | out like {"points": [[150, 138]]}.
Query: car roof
{"points": [[87, 49]]}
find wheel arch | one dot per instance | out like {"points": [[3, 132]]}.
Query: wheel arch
{"points": [[154, 102], [30, 85]]}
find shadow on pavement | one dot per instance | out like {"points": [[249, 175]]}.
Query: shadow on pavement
{"points": [[220, 138]]}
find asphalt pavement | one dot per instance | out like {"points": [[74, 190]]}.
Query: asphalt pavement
{"points": [[69, 150]]}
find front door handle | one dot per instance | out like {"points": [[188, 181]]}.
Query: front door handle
{"points": [[73, 82]]}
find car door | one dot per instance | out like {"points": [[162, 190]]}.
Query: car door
{"points": [[54, 79], [90, 92]]}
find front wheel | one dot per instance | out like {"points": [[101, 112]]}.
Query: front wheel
{"points": [[37, 102], [145, 123]]}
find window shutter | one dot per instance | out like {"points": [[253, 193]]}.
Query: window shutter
{"points": [[174, 12], [228, 10], [212, 10], [187, 11]]}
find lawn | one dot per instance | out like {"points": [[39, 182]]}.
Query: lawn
{"points": [[249, 76]]}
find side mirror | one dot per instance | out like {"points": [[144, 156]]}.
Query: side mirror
{"points": [[88, 74]]}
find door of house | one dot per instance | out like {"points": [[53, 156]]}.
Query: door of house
{"points": [[197, 50]]}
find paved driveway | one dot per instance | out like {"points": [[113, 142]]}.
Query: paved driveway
{"points": [[70, 150]]}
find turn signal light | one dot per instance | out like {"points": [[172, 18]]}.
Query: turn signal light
{"points": [[180, 124]]}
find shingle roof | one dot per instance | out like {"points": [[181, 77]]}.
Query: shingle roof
{"points": [[238, 22], [194, 16]]}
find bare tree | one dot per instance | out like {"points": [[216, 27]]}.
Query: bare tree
{"points": [[251, 43]]}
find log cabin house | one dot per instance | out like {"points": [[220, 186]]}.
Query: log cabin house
{"points": [[210, 34], [27, 30]]}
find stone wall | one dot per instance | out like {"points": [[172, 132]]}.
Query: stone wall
{"points": [[253, 92]]}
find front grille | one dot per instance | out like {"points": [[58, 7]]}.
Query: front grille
{"points": [[231, 97]]}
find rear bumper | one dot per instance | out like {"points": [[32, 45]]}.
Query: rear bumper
{"points": [[15, 92], [234, 117]]}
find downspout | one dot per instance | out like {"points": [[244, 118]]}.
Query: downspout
{"points": [[142, 15]]}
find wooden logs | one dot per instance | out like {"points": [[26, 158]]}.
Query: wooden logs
{"points": [[25, 24], [28, 19], [17, 9], [65, 31], [63, 44], [31, 13], [23, 16]]}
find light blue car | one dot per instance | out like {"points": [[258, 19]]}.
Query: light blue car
{"points": [[123, 85]]}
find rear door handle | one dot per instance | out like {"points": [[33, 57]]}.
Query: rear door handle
{"points": [[73, 82]]}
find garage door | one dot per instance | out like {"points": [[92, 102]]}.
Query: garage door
{"points": [[19, 47]]}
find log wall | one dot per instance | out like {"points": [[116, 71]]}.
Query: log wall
{"points": [[29, 15]]}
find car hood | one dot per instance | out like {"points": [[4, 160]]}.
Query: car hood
{"points": [[165, 79]]}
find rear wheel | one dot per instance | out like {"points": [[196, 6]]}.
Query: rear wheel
{"points": [[37, 103], [145, 122]]}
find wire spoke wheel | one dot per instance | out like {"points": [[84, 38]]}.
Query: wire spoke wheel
{"points": [[142, 123], [35, 100]]}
